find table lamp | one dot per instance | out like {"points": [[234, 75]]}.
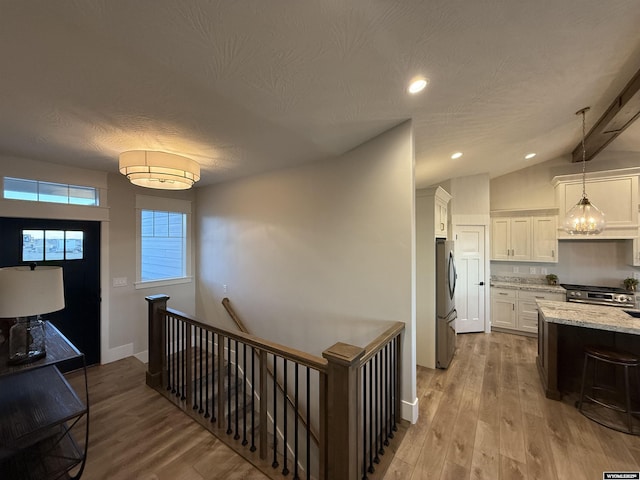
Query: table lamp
{"points": [[26, 292]]}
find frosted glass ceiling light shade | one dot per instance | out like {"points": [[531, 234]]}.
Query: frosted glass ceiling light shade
{"points": [[584, 218], [160, 170]]}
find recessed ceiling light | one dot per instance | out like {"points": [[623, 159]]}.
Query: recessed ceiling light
{"points": [[417, 85], [529, 156], [456, 155]]}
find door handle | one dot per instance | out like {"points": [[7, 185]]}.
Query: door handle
{"points": [[481, 284]]}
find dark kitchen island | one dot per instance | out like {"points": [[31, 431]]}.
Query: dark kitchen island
{"points": [[564, 328]]}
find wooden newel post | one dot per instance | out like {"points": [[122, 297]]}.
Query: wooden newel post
{"points": [[342, 411], [157, 304]]}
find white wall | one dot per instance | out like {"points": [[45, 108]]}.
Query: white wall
{"points": [[123, 309], [317, 254], [127, 334], [531, 187], [470, 205]]}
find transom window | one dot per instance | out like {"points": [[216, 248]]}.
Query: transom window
{"points": [[37, 191]]}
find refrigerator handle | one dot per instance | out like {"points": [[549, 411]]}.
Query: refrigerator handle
{"points": [[452, 270]]}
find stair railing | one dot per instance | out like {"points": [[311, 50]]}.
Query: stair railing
{"points": [[299, 412], [220, 378]]}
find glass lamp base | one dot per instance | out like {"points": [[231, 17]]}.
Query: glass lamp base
{"points": [[26, 341]]}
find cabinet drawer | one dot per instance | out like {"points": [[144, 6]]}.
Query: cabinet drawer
{"points": [[533, 296], [528, 322], [504, 293]]}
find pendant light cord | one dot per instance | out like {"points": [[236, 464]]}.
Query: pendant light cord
{"points": [[584, 151]]}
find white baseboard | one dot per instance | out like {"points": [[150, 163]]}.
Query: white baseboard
{"points": [[409, 411], [143, 356], [117, 353]]}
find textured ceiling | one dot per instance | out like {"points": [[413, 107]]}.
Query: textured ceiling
{"points": [[247, 86]]}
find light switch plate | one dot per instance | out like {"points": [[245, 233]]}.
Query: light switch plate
{"points": [[120, 282]]}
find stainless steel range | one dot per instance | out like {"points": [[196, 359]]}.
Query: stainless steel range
{"points": [[610, 296]]}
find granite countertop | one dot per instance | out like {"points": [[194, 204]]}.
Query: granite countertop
{"points": [[589, 316], [534, 287]]}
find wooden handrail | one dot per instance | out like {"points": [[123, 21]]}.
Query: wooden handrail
{"points": [[298, 356], [227, 305], [381, 340], [301, 415]]}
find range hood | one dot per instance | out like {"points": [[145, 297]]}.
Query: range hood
{"points": [[615, 192]]}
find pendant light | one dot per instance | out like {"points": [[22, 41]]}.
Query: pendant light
{"points": [[584, 218]]}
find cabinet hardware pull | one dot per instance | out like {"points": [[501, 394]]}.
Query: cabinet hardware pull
{"points": [[540, 297], [553, 254], [502, 293]]}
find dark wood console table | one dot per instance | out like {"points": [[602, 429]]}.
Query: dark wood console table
{"points": [[44, 424]]}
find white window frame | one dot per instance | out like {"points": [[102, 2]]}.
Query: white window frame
{"points": [[145, 202]]}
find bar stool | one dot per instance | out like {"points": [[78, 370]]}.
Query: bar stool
{"points": [[595, 354]]}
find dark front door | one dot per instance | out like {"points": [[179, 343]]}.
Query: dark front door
{"points": [[75, 246]]}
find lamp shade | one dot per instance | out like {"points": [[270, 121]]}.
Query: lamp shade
{"points": [[160, 170], [25, 292]]}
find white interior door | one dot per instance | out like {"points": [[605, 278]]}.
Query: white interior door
{"points": [[470, 290]]}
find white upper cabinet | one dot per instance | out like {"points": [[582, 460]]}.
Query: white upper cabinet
{"points": [[511, 238], [434, 202], [545, 239], [614, 192], [524, 236]]}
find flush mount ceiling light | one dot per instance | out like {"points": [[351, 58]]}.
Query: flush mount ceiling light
{"points": [[162, 170], [529, 156], [417, 85], [456, 155], [584, 218]]}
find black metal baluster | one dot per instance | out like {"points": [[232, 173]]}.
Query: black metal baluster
{"points": [[173, 355], [237, 435], [374, 409], [371, 468], [285, 468], [386, 394], [253, 416], [206, 374], [394, 375], [201, 410], [380, 419], [308, 424], [185, 380], [296, 420], [229, 431], [195, 370], [275, 412], [364, 422], [214, 363], [244, 394], [179, 359], [167, 329]]}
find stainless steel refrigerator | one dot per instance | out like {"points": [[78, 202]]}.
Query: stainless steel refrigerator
{"points": [[445, 302]]}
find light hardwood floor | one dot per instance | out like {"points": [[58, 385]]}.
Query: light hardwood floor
{"points": [[483, 418], [486, 417]]}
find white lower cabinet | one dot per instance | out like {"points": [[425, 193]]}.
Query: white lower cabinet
{"points": [[516, 310], [503, 308]]}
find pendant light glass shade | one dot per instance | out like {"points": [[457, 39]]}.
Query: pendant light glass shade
{"points": [[584, 218]]}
